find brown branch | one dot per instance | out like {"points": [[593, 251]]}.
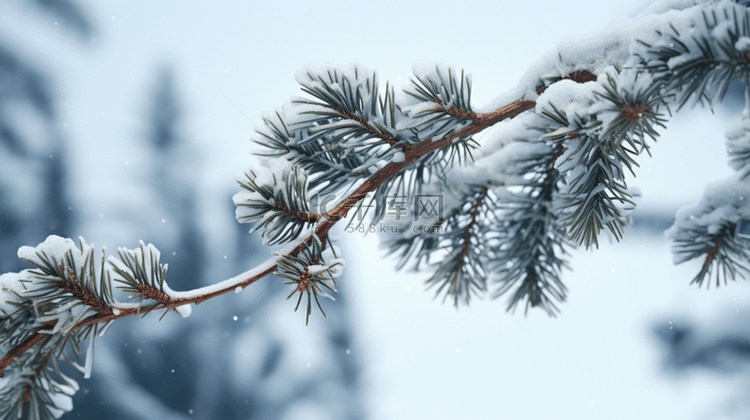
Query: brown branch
{"points": [[383, 136], [304, 217], [411, 154], [74, 288], [551, 170], [711, 254], [464, 114], [150, 292], [578, 76], [18, 350], [304, 280], [632, 113], [467, 234]]}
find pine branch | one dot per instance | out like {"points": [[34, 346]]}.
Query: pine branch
{"points": [[334, 168], [441, 102], [348, 111], [152, 275], [279, 204], [709, 231], [310, 273], [356, 140], [461, 273], [578, 76], [528, 245], [599, 143], [699, 58]]}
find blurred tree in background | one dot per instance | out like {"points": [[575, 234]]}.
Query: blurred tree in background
{"points": [[202, 367]]}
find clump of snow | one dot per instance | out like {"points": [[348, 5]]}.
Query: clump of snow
{"points": [[10, 286], [273, 172], [743, 44], [723, 203], [691, 26], [504, 167], [332, 266], [594, 53], [610, 47], [61, 400], [398, 157], [663, 6], [146, 257], [738, 141], [54, 253], [628, 83], [317, 269], [573, 99], [273, 175], [184, 311], [56, 247]]}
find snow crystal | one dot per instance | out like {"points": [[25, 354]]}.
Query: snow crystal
{"points": [[238, 289]]}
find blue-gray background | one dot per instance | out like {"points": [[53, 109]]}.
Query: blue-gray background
{"points": [[127, 120]]}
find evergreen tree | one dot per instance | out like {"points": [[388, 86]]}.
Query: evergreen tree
{"points": [[724, 352], [33, 201], [494, 217]]}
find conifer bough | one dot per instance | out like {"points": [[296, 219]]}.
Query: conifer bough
{"points": [[551, 176]]}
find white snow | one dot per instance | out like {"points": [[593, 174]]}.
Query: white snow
{"points": [[53, 246], [398, 363], [228, 283], [184, 311], [574, 99], [743, 44], [10, 285]]}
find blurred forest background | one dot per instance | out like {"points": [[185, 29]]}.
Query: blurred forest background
{"points": [[249, 356], [206, 366]]}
